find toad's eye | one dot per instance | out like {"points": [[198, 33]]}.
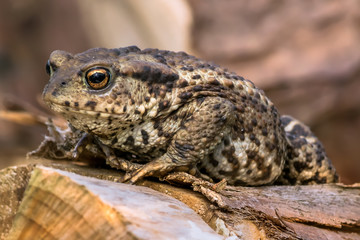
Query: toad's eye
{"points": [[97, 78]]}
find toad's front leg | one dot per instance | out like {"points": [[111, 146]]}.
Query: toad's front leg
{"points": [[197, 137]]}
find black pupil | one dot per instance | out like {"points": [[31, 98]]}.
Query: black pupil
{"points": [[97, 77]]}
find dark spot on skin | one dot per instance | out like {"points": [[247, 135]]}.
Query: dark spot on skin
{"points": [[221, 94], [313, 179], [109, 120], [322, 180], [197, 88], [76, 104], [319, 158], [296, 141], [67, 103], [222, 119], [124, 108], [217, 106], [197, 76], [264, 132], [270, 146], [240, 109], [163, 105], [129, 141], [214, 82], [299, 130], [169, 85], [228, 153], [91, 104], [183, 83], [243, 97], [145, 136], [54, 93], [263, 108], [147, 99], [227, 75], [273, 110], [114, 141], [184, 147], [185, 95], [160, 58], [285, 120], [137, 111], [251, 83], [252, 137], [300, 166], [142, 74], [251, 154], [160, 133], [257, 142], [254, 122], [212, 67]]}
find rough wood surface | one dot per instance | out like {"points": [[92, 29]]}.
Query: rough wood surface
{"points": [[62, 205], [58, 203]]}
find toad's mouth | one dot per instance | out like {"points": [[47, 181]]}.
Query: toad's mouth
{"points": [[68, 110]]}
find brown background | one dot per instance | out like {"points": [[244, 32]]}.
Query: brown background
{"points": [[304, 54]]}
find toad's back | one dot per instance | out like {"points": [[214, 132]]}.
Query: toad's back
{"points": [[176, 112]]}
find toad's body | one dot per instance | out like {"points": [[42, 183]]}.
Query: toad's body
{"points": [[176, 112]]}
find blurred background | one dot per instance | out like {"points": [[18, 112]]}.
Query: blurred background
{"points": [[304, 54]]}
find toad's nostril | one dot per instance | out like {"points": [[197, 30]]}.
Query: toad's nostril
{"points": [[54, 93]]}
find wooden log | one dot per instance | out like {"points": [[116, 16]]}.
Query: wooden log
{"points": [[59, 204], [13, 182], [62, 205]]}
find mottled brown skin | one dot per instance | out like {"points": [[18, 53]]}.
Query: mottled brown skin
{"points": [[174, 112]]}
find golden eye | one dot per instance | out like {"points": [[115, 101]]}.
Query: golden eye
{"points": [[97, 78]]}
